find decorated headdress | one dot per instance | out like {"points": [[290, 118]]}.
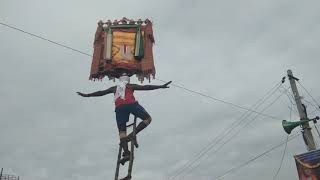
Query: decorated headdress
{"points": [[123, 45]]}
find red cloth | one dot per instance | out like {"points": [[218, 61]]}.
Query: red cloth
{"points": [[147, 63], [98, 46], [128, 99]]}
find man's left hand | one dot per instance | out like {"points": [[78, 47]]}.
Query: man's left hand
{"points": [[82, 94]]}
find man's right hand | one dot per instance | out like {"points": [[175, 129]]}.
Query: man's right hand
{"points": [[82, 94], [166, 84]]}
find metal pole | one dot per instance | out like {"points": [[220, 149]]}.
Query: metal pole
{"points": [[1, 173], [307, 134]]}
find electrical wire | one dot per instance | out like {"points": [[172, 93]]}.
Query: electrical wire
{"points": [[290, 96], [237, 122], [254, 158], [313, 105], [291, 100], [310, 96], [222, 101], [73, 49], [284, 151], [192, 91], [45, 39], [317, 130], [232, 136], [311, 113]]}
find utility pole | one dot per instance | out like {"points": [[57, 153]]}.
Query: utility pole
{"points": [[307, 134]]}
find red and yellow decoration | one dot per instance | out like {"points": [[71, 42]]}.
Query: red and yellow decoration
{"points": [[123, 45]]}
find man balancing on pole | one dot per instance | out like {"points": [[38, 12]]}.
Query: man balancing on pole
{"points": [[125, 105]]}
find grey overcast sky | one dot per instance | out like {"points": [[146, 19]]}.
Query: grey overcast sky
{"points": [[233, 50]]}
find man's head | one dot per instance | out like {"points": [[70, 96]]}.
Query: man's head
{"points": [[124, 78], [100, 23]]}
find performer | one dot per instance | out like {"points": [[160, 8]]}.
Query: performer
{"points": [[126, 104]]}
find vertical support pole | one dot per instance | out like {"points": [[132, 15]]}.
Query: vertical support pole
{"points": [[132, 147], [307, 134], [1, 173], [116, 177]]}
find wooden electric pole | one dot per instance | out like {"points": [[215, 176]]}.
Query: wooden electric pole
{"points": [[307, 134]]}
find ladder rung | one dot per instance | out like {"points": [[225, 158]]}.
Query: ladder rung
{"points": [[130, 124]]}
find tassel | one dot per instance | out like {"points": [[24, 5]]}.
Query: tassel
{"points": [[105, 45], [138, 39], [139, 49], [108, 44]]}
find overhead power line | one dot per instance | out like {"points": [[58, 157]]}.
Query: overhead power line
{"points": [[255, 158], [317, 104], [223, 101], [236, 133], [75, 50], [45, 39], [181, 87], [284, 152], [225, 132], [282, 157]]}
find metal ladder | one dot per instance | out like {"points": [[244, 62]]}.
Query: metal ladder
{"points": [[132, 146]]}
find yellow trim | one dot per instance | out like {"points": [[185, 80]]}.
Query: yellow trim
{"points": [[307, 165]]}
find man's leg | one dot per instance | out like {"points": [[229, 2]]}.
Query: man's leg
{"points": [[143, 124], [140, 112], [122, 117], [124, 143]]}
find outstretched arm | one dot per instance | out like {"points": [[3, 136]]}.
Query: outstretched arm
{"points": [[98, 93], [148, 87]]}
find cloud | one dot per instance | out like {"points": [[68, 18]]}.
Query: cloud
{"points": [[233, 50]]}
